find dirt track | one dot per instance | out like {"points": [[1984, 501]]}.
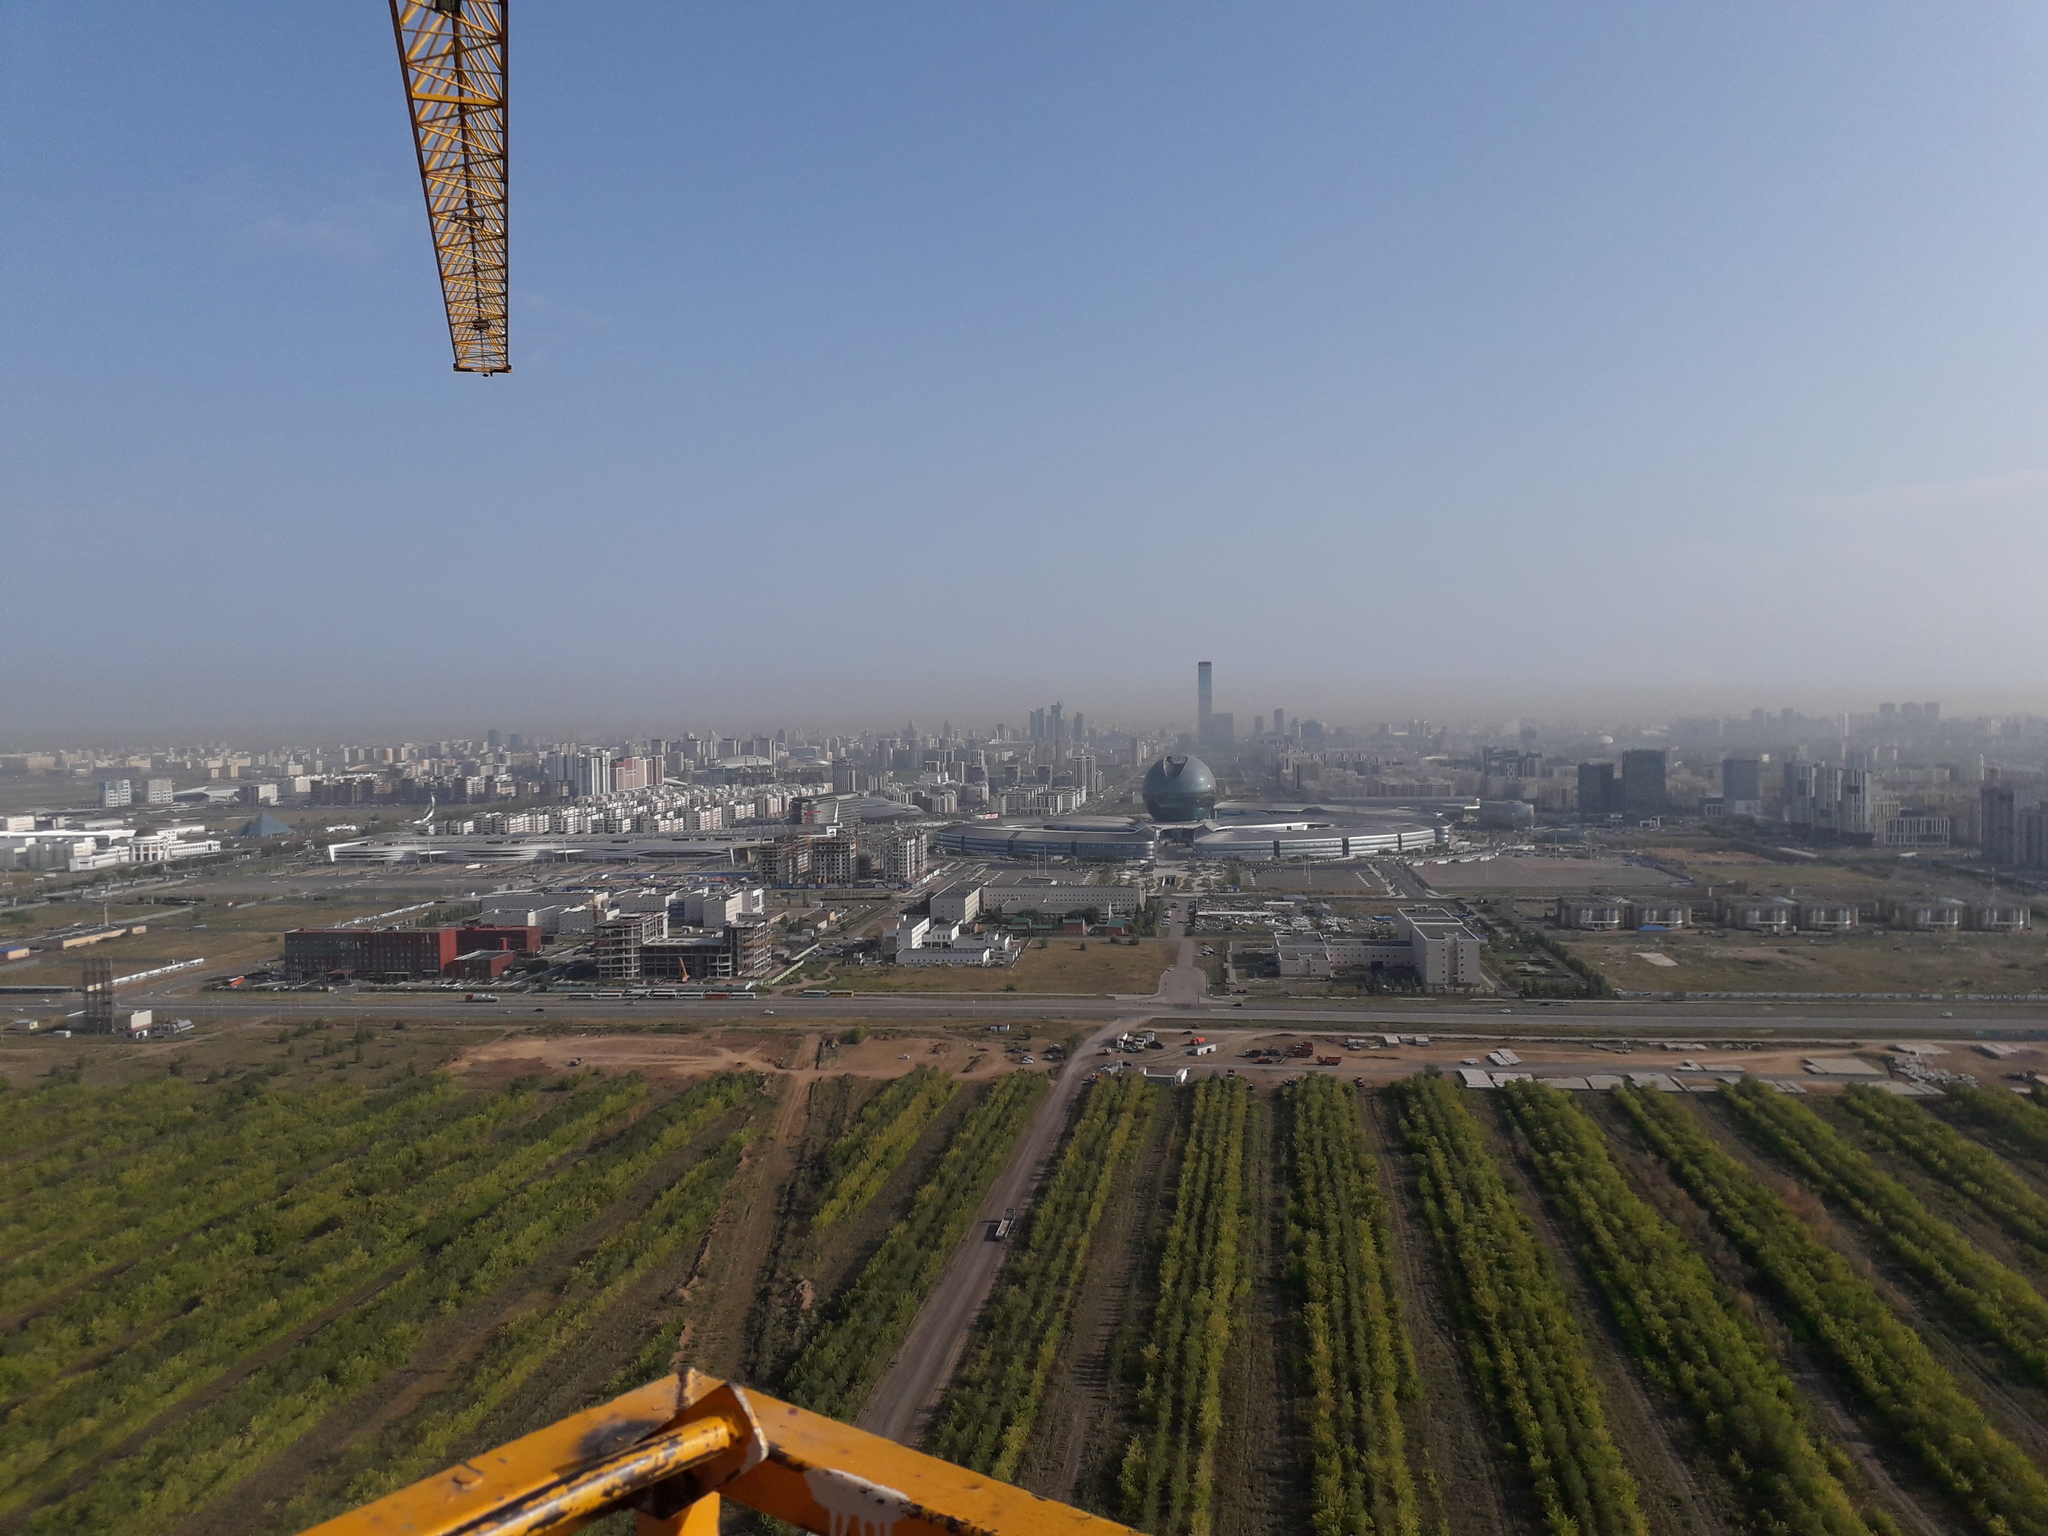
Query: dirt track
{"points": [[907, 1392]]}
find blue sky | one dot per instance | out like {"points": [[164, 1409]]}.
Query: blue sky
{"points": [[952, 358]]}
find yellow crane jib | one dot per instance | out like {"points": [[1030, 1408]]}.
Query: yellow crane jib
{"points": [[672, 1448], [452, 54]]}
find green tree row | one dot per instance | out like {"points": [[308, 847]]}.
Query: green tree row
{"points": [[88, 1374], [1169, 1467], [46, 1122], [142, 1134], [446, 1429], [863, 1324], [254, 1147], [264, 1411], [2020, 1124], [1993, 1298], [994, 1400], [1887, 1365], [1524, 1343], [880, 1139], [1361, 1366], [1693, 1338], [1962, 1165]]}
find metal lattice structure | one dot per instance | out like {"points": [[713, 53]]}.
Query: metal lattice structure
{"points": [[452, 54], [98, 986], [675, 1450]]}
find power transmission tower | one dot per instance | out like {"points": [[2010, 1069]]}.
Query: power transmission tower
{"points": [[98, 986]]}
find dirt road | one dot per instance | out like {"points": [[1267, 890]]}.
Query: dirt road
{"points": [[908, 1392]]}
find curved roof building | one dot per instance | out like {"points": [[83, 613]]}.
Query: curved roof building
{"points": [[1293, 842], [1180, 788], [1076, 838]]}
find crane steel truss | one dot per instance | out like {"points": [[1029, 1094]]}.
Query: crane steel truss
{"points": [[452, 54], [675, 1448]]}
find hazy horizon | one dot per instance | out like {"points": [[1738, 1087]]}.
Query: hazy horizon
{"points": [[934, 360]]}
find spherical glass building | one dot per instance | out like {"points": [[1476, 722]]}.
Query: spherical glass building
{"points": [[1180, 789]]}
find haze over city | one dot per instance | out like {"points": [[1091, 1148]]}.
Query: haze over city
{"points": [[1586, 363], [1047, 769]]}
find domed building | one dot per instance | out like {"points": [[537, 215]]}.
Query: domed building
{"points": [[1180, 789]]}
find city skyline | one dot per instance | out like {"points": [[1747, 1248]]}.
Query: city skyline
{"points": [[1501, 362]]}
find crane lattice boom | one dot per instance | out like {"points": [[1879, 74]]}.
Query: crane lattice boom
{"points": [[452, 53]]}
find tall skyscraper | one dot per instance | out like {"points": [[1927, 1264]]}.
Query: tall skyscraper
{"points": [[1279, 722], [1643, 772], [1742, 784], [591, 772], [1204, 701], [1598, 793], [1998, 808]]}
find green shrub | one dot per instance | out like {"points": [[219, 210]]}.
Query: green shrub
{"points": [[1522, 1338], [1693, 1338], [1900, 1384]]}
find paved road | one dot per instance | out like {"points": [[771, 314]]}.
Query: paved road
{"points": [[1625, 1017], [909, 1391]]}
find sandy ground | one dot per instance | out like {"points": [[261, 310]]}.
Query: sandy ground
{"points": [[795, 1052]]}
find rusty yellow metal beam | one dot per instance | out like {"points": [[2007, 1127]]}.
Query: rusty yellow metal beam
{"points": [[452, 54], [671, 1449]]}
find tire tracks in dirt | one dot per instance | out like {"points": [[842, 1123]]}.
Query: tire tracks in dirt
{"points": [[1643, 1425], [1451, 1423], [902, 1402]]}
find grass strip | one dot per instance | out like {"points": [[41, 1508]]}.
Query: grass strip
{"points": [[1691, 1336], [1524, 1344], [994, 1401], [863, 1325], [1887, 1365]]}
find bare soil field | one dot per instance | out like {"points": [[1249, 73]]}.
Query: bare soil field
{"points": [[1091, 967], [803, 1053], [231, 935], [1544, 872], [1868, 960]]}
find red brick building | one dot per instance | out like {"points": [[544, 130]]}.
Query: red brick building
{"points": [[397, 954]]}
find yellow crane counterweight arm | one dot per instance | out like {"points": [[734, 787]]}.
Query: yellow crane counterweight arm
{"points": [[452, 54], [670, 1450]]}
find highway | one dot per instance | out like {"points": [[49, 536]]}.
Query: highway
{"points": [[1180, 996]]}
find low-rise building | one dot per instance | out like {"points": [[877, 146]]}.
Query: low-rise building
{"points": [[1828, 916], [1598, 914], [1058, 897], [1434, 944], [1447, 953], [959, 903], [1761, 914], [931, 941]]}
